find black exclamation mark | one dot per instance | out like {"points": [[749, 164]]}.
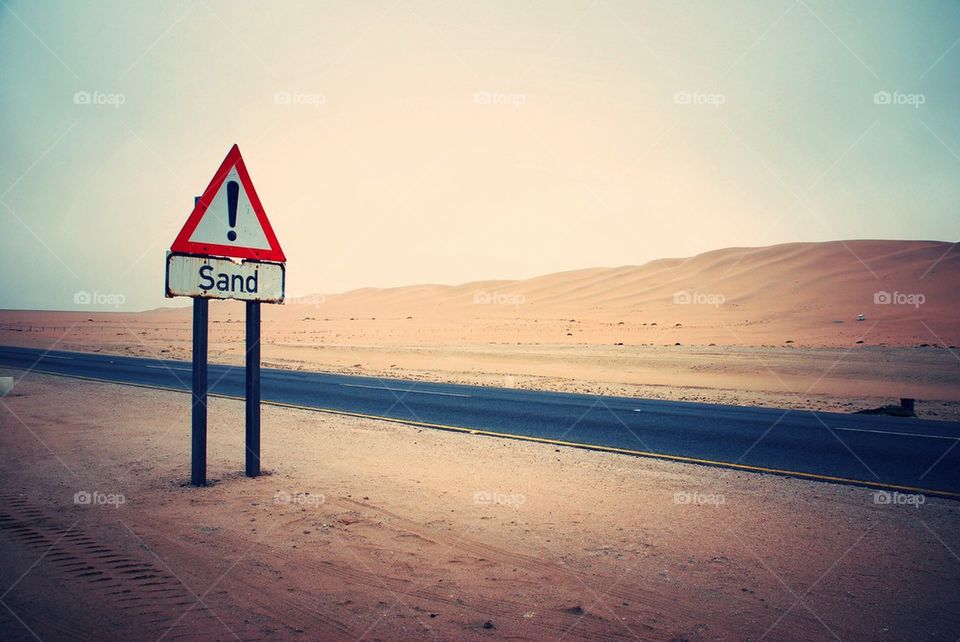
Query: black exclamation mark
{"points": [[233, 191]]}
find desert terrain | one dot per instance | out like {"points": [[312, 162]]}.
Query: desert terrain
{"points": [[368, 530], [581, 320], [774, 326]]}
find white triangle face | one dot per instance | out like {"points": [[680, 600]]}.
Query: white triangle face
{"points": [[214, 227]]}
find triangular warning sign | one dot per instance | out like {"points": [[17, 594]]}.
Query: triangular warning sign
{"points": [[228, 220]]}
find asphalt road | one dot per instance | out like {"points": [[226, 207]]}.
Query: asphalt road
{"points": [[909, 455]]}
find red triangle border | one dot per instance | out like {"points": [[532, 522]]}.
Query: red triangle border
{"points": [[182, 243]]}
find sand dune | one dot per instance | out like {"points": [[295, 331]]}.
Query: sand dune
{"points": [[808, 293]]}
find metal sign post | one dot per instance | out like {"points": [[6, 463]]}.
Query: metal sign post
{"points": [[198, 460], [226, 250], [253, 389]]}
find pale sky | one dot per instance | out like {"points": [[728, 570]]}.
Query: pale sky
{"points": [[404, 142]]}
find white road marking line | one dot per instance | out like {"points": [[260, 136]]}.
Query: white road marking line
{"points": [[882, 432], [54, 356], [170, 368], [416, 392], [891, 432]]}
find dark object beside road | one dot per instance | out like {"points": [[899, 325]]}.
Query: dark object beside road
{"points": [[905, 409]]}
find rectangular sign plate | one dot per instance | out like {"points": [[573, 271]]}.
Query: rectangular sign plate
{"points": [[214, 278]]}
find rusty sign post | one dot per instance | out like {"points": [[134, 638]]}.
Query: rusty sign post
{"points": [[226, 250]]}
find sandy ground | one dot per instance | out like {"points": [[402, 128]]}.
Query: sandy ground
{"points": [[373, 530]]}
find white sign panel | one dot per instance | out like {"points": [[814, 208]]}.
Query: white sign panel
{"points": [[230, 218], [213, 278]]}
